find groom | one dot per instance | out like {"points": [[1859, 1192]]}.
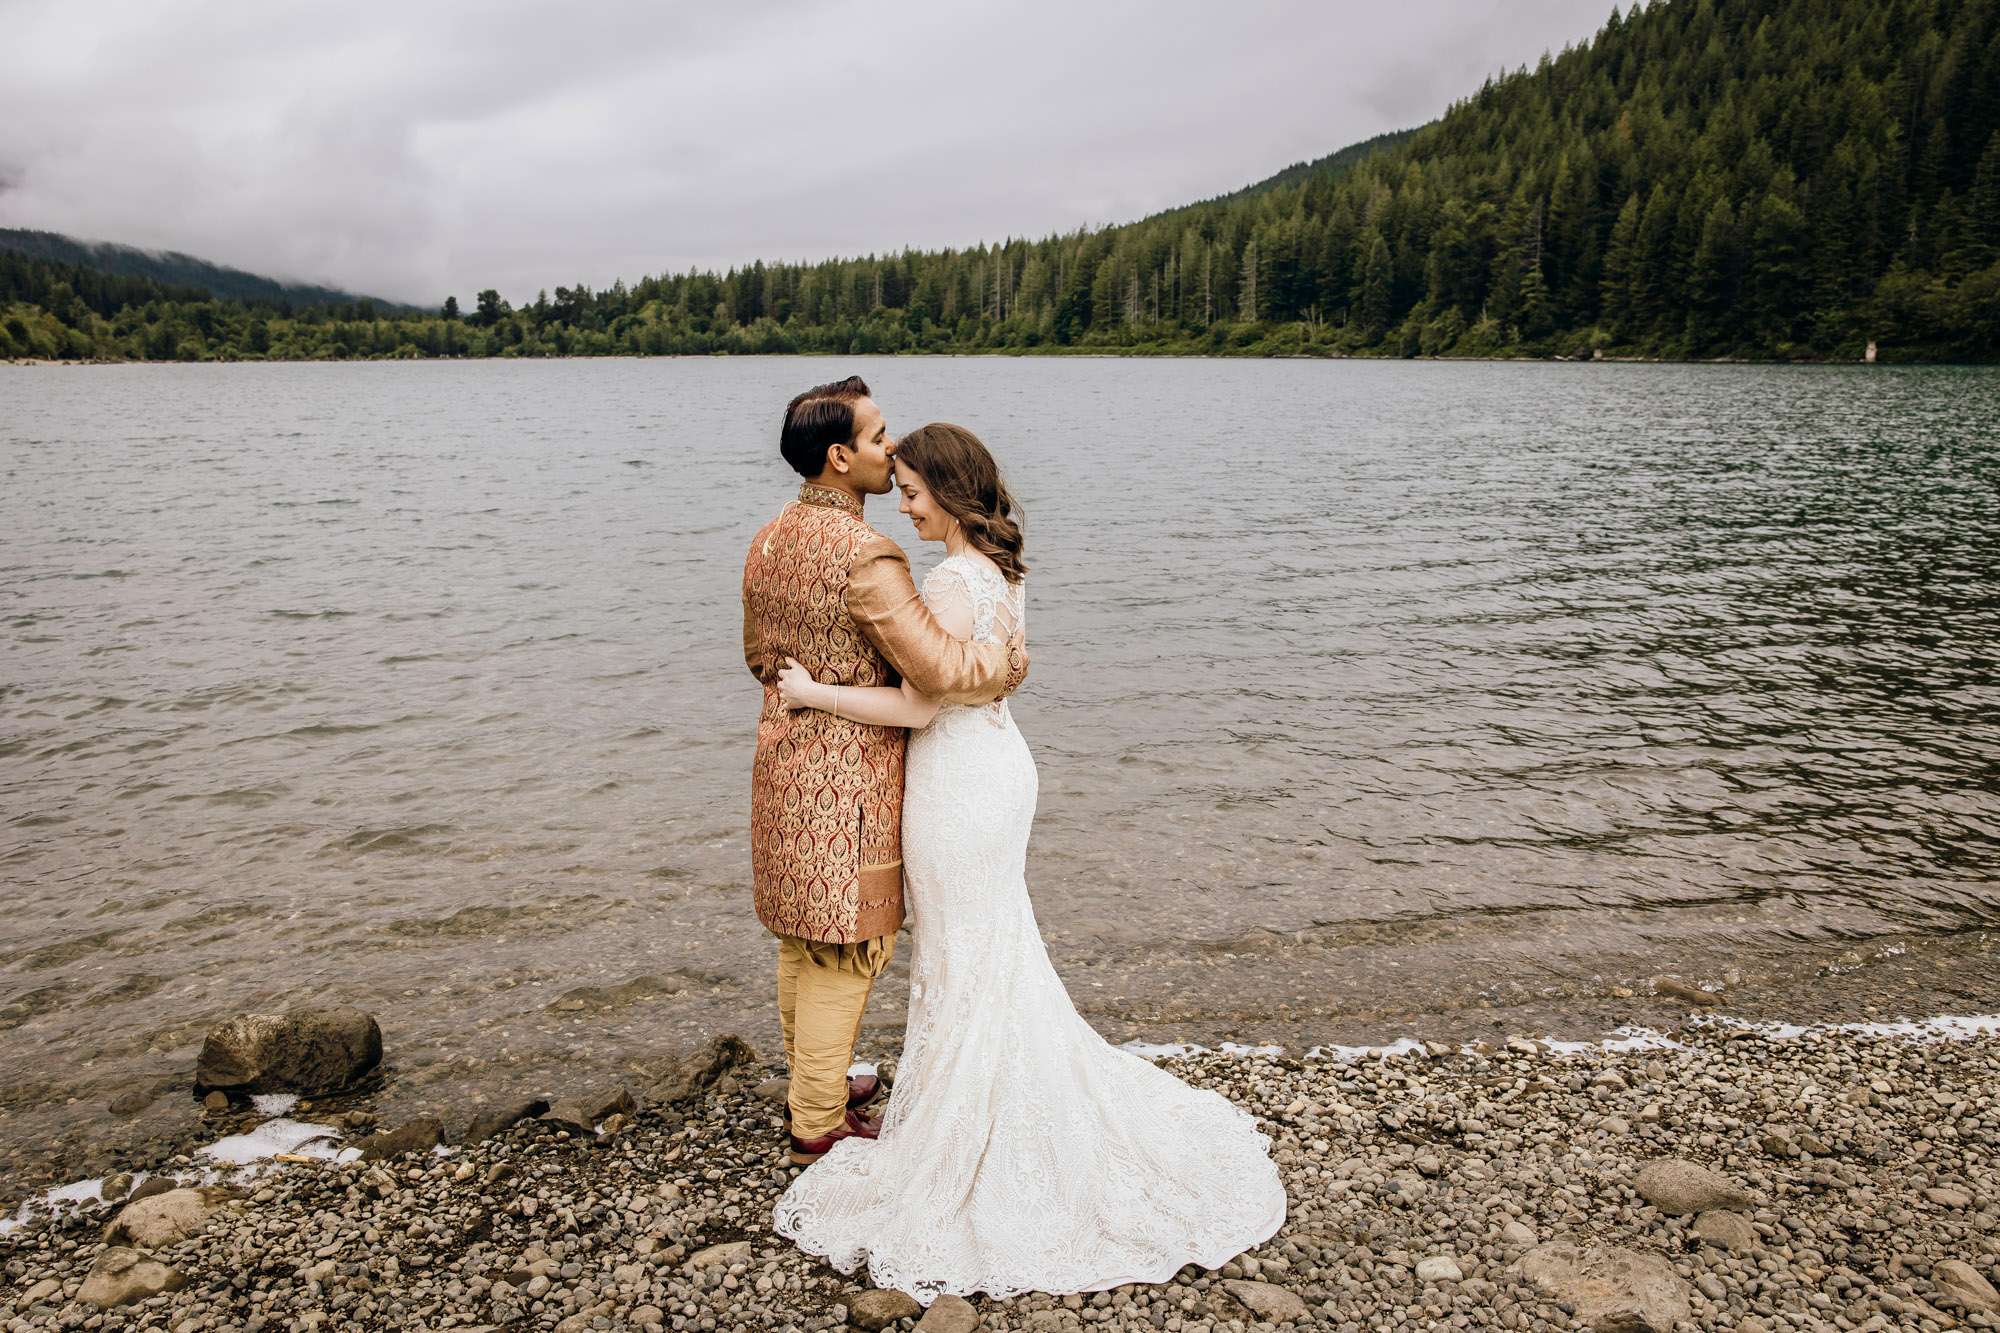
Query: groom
{"points": [[826, 794]]}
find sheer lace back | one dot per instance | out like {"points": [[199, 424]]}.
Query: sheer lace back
{"points": [[999, 608]]}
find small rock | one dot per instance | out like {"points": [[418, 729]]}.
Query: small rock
{"points": [[1610, 1079], [585, 1112], [1812, 1144], [161, 1220], [1681, 1187], [156, 1186], [131, 1103], [1948, 1198], [649, 1314], [773, 1090], [1272, 1304], [878, 1308], [215, 1103], [1622, 992], [732, 1252], [1517, 1235], [1439, 1268], [1680, 990], [490, 1122], [115, 1187], [40, 1292], [1614, 1124], [122, 1276], [307, 1051], [419, 1135], [950, 1314], [1732, 1231], [1438, 1050], [1961, 1280], [1614, 1291], [1429, 1165]]}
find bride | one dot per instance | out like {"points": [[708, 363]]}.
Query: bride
{"points": [[1020, 1151]]}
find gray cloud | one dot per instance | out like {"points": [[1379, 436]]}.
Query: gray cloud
{"points": [[414, 149]]}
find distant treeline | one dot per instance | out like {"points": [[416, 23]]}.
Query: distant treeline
{"points": [[1749, 178]]}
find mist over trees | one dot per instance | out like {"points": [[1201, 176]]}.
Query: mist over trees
{"points": [[1747, 178]]}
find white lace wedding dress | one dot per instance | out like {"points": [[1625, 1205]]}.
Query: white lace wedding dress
{"points": [[1020, 1152]]}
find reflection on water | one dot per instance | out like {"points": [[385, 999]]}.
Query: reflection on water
{"points": [[1356, 685]]}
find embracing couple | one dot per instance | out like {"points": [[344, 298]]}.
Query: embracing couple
{"points": [[1020, 1151]]}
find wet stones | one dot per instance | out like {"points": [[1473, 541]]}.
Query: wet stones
{"points": [[490, 1122], [1612, 1290], [1681, 1187], [306, 1051], [584, 1112], [419, 1135]]}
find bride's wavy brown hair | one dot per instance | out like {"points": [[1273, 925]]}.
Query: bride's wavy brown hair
{"points": [[965, 481]]}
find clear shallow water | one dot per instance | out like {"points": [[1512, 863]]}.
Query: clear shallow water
{"points": [[1357, 687]]}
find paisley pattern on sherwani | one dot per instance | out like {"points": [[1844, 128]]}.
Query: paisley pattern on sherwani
{"points": [[826, 794]]}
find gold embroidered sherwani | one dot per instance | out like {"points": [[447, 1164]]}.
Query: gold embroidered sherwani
{"points": [[826, 794]]}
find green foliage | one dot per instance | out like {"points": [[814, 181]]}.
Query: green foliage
{"points": [[1705, 178]]}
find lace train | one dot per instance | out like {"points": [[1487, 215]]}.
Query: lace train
{"points": [[1020, 1152]]}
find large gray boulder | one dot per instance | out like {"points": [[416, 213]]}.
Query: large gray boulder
{"points": [[307, 1051], [1679, 1187], [162, 1220], [1614, 1291], [122, 1277]]}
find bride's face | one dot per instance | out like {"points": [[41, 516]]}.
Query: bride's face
{"points": [[931, 522]]}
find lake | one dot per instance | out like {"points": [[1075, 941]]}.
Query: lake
{"points": [[1358, 687]]}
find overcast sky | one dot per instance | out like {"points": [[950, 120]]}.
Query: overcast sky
{"points": [[414, 148]]}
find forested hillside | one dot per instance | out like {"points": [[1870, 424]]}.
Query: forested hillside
{"points": [[169, 267], [1749, 178]]}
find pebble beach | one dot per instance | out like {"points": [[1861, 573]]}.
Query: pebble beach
{"points": [[1754, 1177]]}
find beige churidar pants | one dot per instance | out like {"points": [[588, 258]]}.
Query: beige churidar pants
{"points": [[822, 991]]}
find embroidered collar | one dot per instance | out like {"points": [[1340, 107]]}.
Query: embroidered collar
{"points": [[828, 498]]}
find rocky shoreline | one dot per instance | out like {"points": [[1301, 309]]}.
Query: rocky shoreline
{"points": [[1760, 1181]]}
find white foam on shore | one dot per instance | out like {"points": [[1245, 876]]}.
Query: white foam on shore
{"points": [[1943, 1027], [274, 1103], [273, 1137]]}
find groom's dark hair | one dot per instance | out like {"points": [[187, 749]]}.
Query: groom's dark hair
{"points": [[818, 419]]}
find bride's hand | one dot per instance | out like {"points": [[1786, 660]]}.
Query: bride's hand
{"points": [[796, 687]]}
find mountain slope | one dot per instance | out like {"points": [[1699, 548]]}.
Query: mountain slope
{"points": [[1704, 178], [170, 267]]}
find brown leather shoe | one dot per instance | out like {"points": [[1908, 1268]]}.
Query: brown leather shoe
{"points": [[807, 1151], [861, 1090]]}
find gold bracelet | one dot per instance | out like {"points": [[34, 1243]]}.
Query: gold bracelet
{"points": [[835, 710]]}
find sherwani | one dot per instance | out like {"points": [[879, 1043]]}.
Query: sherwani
{"points": [[826, 794]]}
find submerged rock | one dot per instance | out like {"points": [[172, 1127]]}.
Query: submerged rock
{"points": [[488, 1123], [683, 1077], [419, 1135], [307, 1051]]}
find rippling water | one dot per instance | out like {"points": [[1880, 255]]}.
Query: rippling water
{"points": [[1356, 686]]}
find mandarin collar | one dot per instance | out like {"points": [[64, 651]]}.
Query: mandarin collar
{"points": [[829, 498]]}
